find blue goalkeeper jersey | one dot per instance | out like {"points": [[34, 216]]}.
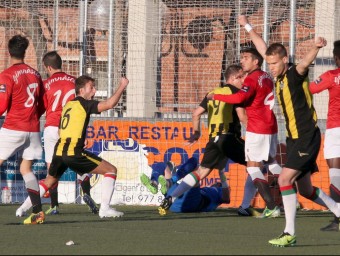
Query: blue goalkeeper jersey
{"points": [[197, 199]]}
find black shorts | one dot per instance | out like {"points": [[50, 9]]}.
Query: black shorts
{"points": [[86, 162], [303, 152], [218, 148]]}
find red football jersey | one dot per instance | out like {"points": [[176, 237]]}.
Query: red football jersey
{"points": [[257, 97], [59, 89], [330, 81], [21, 90]]}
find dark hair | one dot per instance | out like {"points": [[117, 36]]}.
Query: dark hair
{"points": [[277, 48], [336, 49], [52, 59], [231, 70], [255, 54], [82, 81], [17, 46]]}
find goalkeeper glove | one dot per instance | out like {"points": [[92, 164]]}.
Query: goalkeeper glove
{"points": [[194, 137]]}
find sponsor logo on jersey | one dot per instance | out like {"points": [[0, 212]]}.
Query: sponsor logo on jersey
{"points": [[301, 154], [2, 88]]}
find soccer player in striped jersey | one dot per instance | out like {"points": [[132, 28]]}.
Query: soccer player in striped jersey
{"points": [[223, 140], [303, 137], [21, 95], [330, 80], [69, 151]]}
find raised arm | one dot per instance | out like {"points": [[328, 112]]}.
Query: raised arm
{"points": [[257, 40], [310, 56], [113, 100]]}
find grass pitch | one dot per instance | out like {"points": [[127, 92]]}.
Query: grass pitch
{"points": [[143, 232]]}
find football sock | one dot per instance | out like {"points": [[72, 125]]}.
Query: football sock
{"points": [[189, 181], [321, 198], [275, 168], [289, 204], [84, 181], [262, 186], [108, 185], [32, 188], [27, 204], [157, 169], [54, 195], [249, 192]]}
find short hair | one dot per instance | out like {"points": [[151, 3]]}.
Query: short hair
{"points": [[82, 81], [255, 54], [231, 70], [53, 60], [17, 46], [336, 49], [277, 48]]}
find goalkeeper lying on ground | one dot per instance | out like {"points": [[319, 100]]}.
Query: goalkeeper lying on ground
{"points": [[196, 199]]}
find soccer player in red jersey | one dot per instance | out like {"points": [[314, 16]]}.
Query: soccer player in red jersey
{"points": [[303, 136], [21, 91], [257, 97], [330, 81], [59, 89]]}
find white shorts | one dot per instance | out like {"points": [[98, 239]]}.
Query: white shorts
{"points": [[51, 137], [258, 147], [26, 144], [332, 143]]}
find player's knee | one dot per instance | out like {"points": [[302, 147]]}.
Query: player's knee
{"points": [[202, 172], [306, 193], [284, 180], [111, 169]]}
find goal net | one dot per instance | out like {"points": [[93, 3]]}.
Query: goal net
{"points": [[173, 52]]}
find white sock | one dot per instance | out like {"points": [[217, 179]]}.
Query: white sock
{"points": [[31, 181], [289, 204], [334, 177], [108, 185], [275, 168], [322, 199], [255, 173]]}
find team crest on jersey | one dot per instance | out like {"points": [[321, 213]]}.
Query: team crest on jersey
{"points": [[318, 80], [2, 88]]}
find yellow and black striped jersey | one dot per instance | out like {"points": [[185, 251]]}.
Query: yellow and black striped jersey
{"points": [[220, 114], [296, 103], [73, 123]]}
